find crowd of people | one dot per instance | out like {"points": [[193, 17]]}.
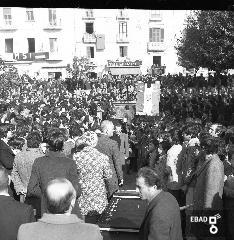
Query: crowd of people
{"points": [[65, 134]]}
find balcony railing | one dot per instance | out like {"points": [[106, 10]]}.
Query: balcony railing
{"points": [[156, 17], [89, 38], [54, 24], [122, 38], [54, 56], [8, 25], [122, 15], [88, 15], [156, 46]]}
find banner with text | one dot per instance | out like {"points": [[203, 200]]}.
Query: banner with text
{"points": [[148, 99]]}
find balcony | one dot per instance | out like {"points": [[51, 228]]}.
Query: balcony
{"points": [[8, 57], [54, 25], [122, 38], [54, 56], [155, 17], [89, 38], [156, 46], [8, 25], [88, 15], [122, 15]]}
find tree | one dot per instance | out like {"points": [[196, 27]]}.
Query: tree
{"points": [[207, 41]]}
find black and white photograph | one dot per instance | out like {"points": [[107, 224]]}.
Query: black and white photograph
{"points": [[116, 121]]}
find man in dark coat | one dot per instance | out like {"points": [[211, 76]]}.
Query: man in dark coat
{"points": [[53, 165], [110, 148], [12, 213], [6, 154], [162, 217]]}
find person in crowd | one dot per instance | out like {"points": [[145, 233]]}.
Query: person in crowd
{"points": [[208, 189], [59, 222], [110, 148], [54, 164], [68, 144], [228, 190], [173, 184], [22, 167], [93, 168], [6, 153], [162, 217], [17, 144], [122, 139], [153, 155], [12, 212]]}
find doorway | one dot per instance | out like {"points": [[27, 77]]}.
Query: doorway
{"points": [[157, 61]]}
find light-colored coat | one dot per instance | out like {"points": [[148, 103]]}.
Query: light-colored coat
{"points": [[208, 189]]}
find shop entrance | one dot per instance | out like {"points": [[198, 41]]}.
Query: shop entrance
{"points": [[54, 75], [157, 61]]}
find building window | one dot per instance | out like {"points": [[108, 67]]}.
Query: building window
{"points": [[9, 45], [123, 30], [156, 35], [31, 45], [7, 16], [29, 14], [90, 52], [155, 14], [89, 28], [53, 45], [123, 51], [52, 17], [89, 13]]}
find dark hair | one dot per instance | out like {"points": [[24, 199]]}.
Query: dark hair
{"points": [[22, 130], [75, 131], [61, 205], [209, 145], [231, 139], [4, 128], [55, 140], [34, 139], [151, 177], [65, 133], [3, 179], [165, 145], [154, 141], [16, 142]]}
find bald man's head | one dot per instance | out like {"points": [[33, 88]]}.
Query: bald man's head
{"points": [[59, 195], [107, 128]]}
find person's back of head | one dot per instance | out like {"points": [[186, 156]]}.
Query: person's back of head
{"points": [[4, 180], [60, 196], [34, 139], [55, 139]]}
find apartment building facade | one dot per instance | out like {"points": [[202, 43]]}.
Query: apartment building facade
{"points": [[40, 41]]}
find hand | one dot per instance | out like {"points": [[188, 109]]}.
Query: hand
{"points": [[121, 183]]}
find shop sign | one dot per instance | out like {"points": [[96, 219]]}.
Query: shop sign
{"points": [[31, 56], [124, 63]]}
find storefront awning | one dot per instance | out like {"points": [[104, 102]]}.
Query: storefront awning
{"points": [[125, 71]]}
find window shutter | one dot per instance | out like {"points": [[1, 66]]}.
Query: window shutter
{"points": [[92, 52], [150, 34], [6, 11], [88, 52], [50, 15], [162, 35], [125, 51], [120, 51], [126, 30]]}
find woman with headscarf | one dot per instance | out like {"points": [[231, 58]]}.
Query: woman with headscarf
{"points": [[93, 168]]}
